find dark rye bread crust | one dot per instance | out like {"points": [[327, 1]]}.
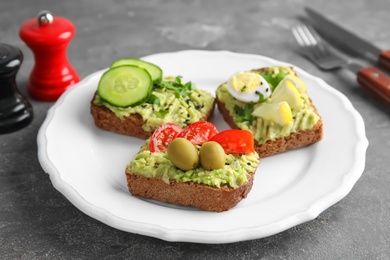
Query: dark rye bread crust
{"points": [[188, 193], [294, 140], [105, 119]]}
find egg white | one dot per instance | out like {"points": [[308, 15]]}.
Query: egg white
{"points": [[262, 89]]}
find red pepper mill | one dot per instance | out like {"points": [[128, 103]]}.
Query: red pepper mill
{"points": [[48, 37]]}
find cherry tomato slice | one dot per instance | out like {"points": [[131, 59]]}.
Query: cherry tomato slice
{"points": [[235, 141], [163, 136], [198, 132]]}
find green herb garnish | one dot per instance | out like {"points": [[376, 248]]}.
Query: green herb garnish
{"points": [[261, 98], [180, 89], [244, 114], [162, 112], [153, 99]]}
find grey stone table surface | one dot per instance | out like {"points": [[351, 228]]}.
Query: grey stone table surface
{"points": [[37, 221]]}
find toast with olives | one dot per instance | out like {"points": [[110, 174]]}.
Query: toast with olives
{"points": [[205, 175], [188, 193], [133, 98], [304, 126]]}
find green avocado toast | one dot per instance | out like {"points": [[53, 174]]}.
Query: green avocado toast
{"points": [[273, 104], [134, 98], [196, 166]]}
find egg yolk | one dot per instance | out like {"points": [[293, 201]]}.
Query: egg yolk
{"points": [[245, 82]]}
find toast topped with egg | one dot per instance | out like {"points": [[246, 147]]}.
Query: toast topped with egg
{"points": [[195, 166], [133, 98], [273, 104]]}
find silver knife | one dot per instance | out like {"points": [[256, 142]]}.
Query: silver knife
{"points": [[347, 40]]}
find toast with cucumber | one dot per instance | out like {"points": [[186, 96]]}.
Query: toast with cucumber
{"points": [[134, 98], [273, 104], [196, 166]]}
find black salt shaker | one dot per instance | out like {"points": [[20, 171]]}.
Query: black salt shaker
{"points": [[15, 110]]}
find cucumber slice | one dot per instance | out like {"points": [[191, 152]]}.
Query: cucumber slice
{"points": [[125, 86], [153, 69]]}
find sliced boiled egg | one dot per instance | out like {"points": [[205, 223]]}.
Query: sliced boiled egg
{"points": [[248, 87]]}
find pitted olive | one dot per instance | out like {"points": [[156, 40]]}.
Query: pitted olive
{"points": [[183, 154], [212, 156]]}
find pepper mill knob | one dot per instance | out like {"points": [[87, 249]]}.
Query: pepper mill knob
{"points": [[48, 37], [45, 18], [15, 111]]}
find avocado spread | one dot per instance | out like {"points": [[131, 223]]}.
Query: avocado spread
{"points": [[170, 101], [264, 130], [233, 174]]}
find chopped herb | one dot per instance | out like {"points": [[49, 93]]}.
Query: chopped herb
{"points": [[244, 114], [177, 93], [261, 98], [162, 112], [190, 86], [178, 80], [243, 89], [180, 89], [153, 99]]}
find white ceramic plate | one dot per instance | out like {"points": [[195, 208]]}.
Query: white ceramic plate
{"points": [[87, 164]]}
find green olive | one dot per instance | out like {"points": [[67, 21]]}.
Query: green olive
{"points": [[183, 154], [212, 156]]}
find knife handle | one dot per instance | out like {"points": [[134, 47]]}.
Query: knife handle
{"points": [[384, 60], [375, 82]]}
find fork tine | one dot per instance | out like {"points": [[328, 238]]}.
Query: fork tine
{"points": [[310, 34], [303, 36], [297, 36], [308, 37], [314, 48]]}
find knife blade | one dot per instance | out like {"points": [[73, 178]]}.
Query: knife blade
{"points": [[348, 40]]}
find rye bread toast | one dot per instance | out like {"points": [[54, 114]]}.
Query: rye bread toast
{"points": [[188, 193], [295, 139], [152, 175], [133, 124], [105, 119]]}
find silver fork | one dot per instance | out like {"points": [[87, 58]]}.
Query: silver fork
{"points": [[315, 49], [320, 53]]}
